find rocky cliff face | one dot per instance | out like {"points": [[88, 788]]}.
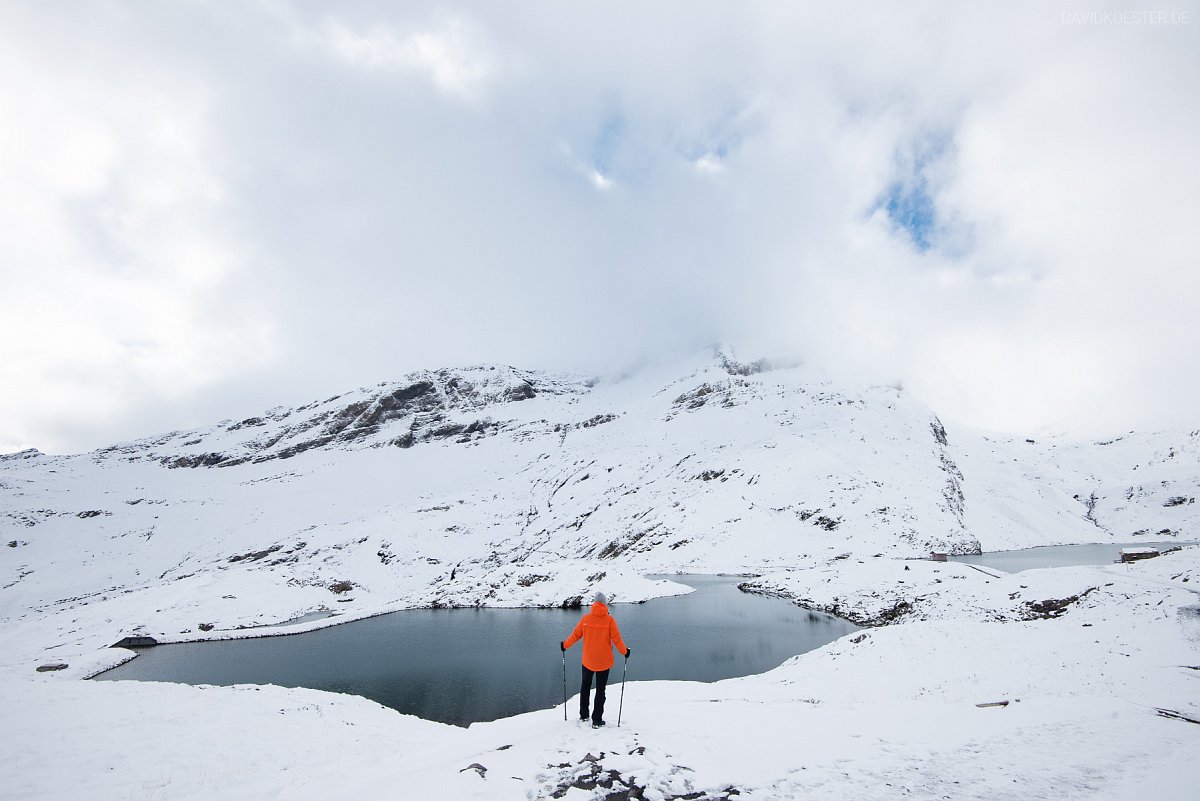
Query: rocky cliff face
{"points": [[426, 406]]}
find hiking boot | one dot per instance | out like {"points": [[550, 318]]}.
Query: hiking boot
{"points": [[597, 724]]}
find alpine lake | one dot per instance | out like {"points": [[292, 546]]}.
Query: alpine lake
{"points": [[467, 665], [462, 666]]}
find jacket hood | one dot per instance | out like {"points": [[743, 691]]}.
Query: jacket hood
{"points": [[599, 609]]}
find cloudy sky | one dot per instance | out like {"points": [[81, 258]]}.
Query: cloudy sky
{"points": [[211, 208]]}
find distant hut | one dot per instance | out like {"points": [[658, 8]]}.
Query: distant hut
{"points": [[1134, 554]]}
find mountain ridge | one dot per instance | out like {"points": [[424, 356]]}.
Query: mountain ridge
{"points": [[494, 485]]}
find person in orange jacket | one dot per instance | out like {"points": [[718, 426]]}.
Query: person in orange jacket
{"points": [[599, 632]]}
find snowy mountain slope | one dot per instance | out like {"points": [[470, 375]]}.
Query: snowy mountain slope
{"points": [[426, 406], [505, 487], [1024, 493], [498, 486]]}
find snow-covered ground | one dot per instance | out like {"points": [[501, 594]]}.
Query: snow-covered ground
{"points": [[502, 487], [889, 712]]}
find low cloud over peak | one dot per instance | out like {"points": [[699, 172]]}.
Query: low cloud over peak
{"points": [[214, 208]]}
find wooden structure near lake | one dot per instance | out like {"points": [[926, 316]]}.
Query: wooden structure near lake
{"points": [[1134, 554]]}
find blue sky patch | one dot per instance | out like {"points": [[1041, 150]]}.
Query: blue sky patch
{"points": [[909, 200], [607, 142], [910, 207]]}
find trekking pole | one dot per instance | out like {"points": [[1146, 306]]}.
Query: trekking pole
{"points": [[564, 653], [621, 706]]}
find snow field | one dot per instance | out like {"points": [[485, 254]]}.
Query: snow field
{"points": [[514, 488]]}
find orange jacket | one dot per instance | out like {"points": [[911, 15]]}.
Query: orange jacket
{"points": [[599, 632]]}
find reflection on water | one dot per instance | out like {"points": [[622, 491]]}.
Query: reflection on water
{"points": [[1059, 555], [464, 665]]}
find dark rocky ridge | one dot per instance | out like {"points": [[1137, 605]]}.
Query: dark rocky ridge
{"points": [[424, 407]]}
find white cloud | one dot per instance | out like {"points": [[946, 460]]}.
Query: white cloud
{"points": [[598, 180], [452, 55], [709, 163], [221, 208], [114, 251]]}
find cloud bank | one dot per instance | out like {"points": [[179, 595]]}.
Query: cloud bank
{"points": [[212, 208]]}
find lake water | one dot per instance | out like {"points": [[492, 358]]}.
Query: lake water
{"points": [[1059, 555], [466, 665]]}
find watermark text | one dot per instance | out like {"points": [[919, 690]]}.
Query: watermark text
{"points": [[1126, 18]]}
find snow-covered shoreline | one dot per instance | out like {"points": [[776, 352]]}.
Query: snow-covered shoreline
{"points": [[91, 652], [873, 715]]}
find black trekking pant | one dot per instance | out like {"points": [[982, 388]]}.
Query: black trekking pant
{"points": [[585, 689]]}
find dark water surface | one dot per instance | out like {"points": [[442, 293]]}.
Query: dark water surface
{"points": [[1058, 555], [466, 665]]}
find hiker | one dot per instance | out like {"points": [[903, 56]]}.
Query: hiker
{"points": [[599, 632]]}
